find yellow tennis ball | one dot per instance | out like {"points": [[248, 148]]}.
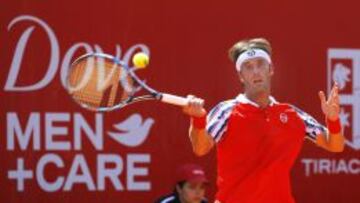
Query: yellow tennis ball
{"points": [[140, 60]]}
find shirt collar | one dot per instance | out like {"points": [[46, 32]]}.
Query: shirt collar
{"points": [[244, 100]]}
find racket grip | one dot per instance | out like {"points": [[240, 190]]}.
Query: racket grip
{"points": [[175, 100]]}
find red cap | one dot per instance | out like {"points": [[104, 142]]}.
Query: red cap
{"points": [[191, 173]]}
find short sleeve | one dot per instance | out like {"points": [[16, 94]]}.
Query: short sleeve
{"points": [[218, 118], [312, 127]]}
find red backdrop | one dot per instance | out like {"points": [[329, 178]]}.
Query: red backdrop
{"points": [[188, 42]]}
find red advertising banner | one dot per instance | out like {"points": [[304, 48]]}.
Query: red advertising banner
{"points": [[52, 150]]}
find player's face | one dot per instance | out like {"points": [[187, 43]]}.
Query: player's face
{"points": [[192, 192], [256, 75]]}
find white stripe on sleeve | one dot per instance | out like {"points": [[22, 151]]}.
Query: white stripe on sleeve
{"points": [[312, 127], [218, 118]]}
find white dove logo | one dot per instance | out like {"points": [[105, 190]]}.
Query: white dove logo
{"points": [[341, 75], [132, 132]]}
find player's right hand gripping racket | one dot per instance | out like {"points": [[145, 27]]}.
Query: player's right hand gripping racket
{"points": [[101, 82]]}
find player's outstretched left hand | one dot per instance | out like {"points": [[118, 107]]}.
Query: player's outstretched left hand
{"points": [[330, 106]]}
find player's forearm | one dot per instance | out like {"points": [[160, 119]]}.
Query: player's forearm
{"points": [[201, 141], [335, 140], [332, 142]]}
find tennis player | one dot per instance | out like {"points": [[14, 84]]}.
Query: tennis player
{"points": [[258, 138]]}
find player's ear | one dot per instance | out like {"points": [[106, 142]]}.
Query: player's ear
{"points": [[241, 78], [271, 69], [178, 189]]}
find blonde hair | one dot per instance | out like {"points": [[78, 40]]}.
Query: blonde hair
{"points": [[246, 44]]}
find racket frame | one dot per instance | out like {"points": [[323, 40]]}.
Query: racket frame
{"points": [[153, 94]]}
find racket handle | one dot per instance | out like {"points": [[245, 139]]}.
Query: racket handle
{"points": [[175, 100]]}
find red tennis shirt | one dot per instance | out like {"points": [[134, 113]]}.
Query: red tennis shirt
{"points": [[256, 148]]}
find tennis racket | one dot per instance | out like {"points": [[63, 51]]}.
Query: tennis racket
{"points": [[101, 82]]}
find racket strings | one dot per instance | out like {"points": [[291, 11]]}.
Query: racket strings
{"points": [[98, 82]]}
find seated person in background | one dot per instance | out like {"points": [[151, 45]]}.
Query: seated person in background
{"points": [[190, 186]]}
